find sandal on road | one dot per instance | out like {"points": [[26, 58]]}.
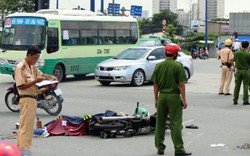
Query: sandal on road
{"points": [[192, 126]]}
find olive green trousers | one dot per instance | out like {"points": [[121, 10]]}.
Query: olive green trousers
{"points": [[169, 104], [241, 76]]}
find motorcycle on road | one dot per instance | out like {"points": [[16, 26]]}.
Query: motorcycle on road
{"points": [[49, 98]]}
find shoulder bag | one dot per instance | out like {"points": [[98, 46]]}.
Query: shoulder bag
{"points": [[228, 64]]}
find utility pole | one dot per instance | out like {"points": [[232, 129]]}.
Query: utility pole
{"points": [[190, 15], [123, 9], [92, 5], [57, 4], [113, 7], [206, 31], [102, 6]]}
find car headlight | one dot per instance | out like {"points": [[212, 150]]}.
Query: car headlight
{"points": [[40, 63], [97, 67], [3, 61], [121, 67]]}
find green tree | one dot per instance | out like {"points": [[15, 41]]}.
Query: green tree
{"points": [[170, 32], [11, 6], [156, 20], [169, 16], [195, 37]]}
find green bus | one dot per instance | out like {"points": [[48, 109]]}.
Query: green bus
{"points": [[72, 41]]}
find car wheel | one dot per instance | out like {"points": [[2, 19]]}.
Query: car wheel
{"points": [[138, 78], [187, 74], [105, 83]]}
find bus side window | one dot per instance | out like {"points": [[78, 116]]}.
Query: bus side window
{"points": [[122, 36], [52, 43]]}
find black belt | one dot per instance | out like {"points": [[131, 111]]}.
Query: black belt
{"points": [[27, 96]]}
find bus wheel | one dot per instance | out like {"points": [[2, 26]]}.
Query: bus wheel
{"points": [[105, 83], [59, 73], [79, 76]]}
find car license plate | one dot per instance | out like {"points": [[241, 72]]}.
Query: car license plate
{"points": [[58, 92], [104, 74]]}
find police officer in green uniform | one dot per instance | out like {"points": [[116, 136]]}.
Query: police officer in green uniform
{"points": [[242, 64], [169, 82]]}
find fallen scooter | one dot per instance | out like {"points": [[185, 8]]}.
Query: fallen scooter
{"points": [[49, 98], [139, 123]]}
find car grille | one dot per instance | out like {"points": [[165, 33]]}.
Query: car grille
{"points": [[106, 68], [13, 62], [106, 78]]}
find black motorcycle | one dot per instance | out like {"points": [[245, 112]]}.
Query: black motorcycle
{"points": [[138, 123]]}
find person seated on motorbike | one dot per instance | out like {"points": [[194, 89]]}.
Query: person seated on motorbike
{"points": [[193, 50], [203, 54]]}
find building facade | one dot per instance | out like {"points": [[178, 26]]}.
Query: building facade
{"points": [[215, 9], [144, 15], [155, 7], [160, 5], [239, 22], [183, 17]]}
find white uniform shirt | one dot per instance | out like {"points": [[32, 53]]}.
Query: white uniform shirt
{"points": [[237, 45]]}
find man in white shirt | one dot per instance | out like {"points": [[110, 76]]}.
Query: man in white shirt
{"points": [[236, 45]]}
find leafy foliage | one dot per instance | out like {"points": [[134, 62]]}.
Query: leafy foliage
{"points": [[195, 37], [156, 20], [220, 20], [11, 6], [169, 16]]}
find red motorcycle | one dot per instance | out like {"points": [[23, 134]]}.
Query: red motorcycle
{"points": [[49, 98]]}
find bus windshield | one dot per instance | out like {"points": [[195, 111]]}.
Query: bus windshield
{"points": [[22, 33]]}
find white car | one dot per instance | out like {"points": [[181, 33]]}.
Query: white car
{"points": [[136, 65]]}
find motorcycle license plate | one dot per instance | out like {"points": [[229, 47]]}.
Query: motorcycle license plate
{"points": [[58, 92]]}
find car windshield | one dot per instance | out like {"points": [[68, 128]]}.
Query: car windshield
{"points": [[150, 43], [132, 54]]}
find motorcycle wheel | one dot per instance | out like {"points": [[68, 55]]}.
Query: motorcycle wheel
{"points": [[12, 101], [54, 104]]}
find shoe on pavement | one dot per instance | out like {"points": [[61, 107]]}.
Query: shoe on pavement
{"points": [[246, 103], [221, 93], [227, 94], [183, 154], [160, 152], [25, 153], [235, 103]]}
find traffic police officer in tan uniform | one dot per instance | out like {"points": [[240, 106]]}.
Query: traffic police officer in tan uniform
{"points": [[169, 83], [26, 76], [226, 55]]}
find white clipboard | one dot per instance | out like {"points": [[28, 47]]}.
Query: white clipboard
{"points": [[46, 82]]}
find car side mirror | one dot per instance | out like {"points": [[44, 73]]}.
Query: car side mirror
{"points": [[151, 58]]}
